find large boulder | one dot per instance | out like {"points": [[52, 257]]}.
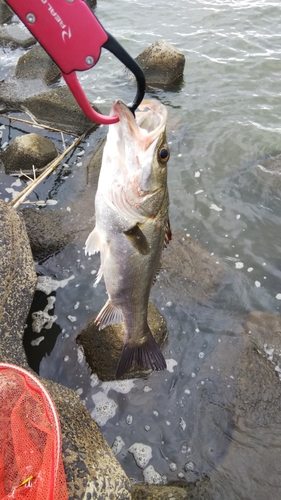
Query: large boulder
{"points": [[26, 151], [14, 92], [91, 469], [36, 63], [16, 35], [189, 270], [162, 64], [17, 284], [46, 231], [58, 108], [6, 13]]}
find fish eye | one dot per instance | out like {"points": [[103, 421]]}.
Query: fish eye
{"points": [[163, 153]]}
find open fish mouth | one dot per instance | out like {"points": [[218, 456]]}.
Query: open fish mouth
{"points": [[148, 123]]}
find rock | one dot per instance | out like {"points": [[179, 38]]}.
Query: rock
{"points": [[26, 151], [107, 344], [198, 279], [92, 3], [255, 404], [260, 368], [14, 93], [36, 63], [91, 468], [267, 173], [16, 35], [17, 284], [58, 108], [45, 231], [201, 490], [6, 13], [162, 64]]}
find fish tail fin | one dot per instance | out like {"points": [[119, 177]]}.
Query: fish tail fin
{"points": [[146, 355]]}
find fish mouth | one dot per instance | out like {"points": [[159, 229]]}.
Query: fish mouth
{"points": [[148, 123]]}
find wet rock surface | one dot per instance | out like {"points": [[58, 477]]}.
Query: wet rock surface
{"points": [[45, 231], [191, 272], [58, 108], [16, 35], [90, 466], [255, 440], [36, 63], [28, 151], [13, 93], [162, 63], [17, 283], [6, 13], [99, 345], [199, 491]]}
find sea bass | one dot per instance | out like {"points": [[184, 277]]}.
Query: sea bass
{"points": [[132, 226]]}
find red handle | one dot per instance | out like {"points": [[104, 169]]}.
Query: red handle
{"points": [[77, 91], [72, 36]]}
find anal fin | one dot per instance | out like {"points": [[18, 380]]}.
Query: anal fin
{"points": [[108, 315]]}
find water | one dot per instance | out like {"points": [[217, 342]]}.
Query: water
{"points": [[223, 120]]}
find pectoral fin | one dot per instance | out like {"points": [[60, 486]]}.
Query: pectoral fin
{"points": [[93, 243], [138, 240]]}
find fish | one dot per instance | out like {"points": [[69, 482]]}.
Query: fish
{"points": [[132, 226]]}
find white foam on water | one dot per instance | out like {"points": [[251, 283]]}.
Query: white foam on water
{"points": [[182, 424], [17, 182], [105, 408], [117, 445], [129, 419], [142, 454], [213, 206], [37, 341], [239, 265], [12, 191], [151, 476], [48, 285], [170, 364], [147, 388], [42, 319], [121, 386], [80, 355]]}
